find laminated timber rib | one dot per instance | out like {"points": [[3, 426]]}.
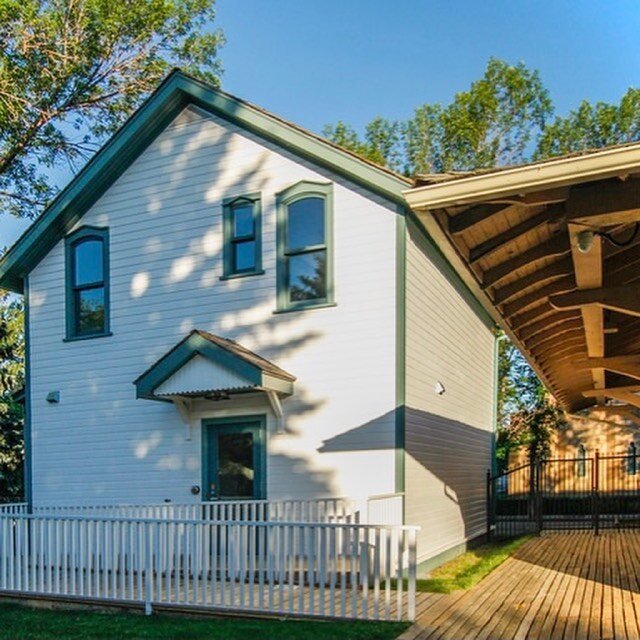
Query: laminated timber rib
{"points": [[553, 251]]}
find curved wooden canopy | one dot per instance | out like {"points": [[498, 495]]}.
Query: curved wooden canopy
{"points": [[553, 249]]}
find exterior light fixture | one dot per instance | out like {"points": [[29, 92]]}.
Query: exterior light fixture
{"points": [[439, 388], [584, 240]]}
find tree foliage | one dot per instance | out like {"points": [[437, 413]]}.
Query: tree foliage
{"points": [[506, 117], [71, 71], [494, 122], [11, 414]]}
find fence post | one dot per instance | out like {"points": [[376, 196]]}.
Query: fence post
{"points": [[489, 505], [413, 559], [148, 569], [596, 492], [537, 468]]}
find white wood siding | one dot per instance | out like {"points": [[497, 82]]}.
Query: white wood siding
{"points": [[165, 221], [200, 374], [448, 436]]}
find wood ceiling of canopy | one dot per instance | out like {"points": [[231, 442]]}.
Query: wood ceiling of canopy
{"points": [[570, 299]]}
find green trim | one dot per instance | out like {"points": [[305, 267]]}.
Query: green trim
{"points": [[28, 440], [326, 305], [193, 345], [401, 348], [175, 93], [496, 391], [228, 205], [256, 424], [82, 234], [285, 198]]}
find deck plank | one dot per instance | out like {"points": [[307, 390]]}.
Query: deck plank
{"points": [[557, 586]]}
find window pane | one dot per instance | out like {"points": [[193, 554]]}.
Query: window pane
{"points": [[305, 223], [244, 255], [90, 311], [243, 220], [88, 262], [235, 465], [308, 276]]}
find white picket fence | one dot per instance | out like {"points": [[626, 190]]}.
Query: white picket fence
{"points": [[334, 569], [314, 510]]}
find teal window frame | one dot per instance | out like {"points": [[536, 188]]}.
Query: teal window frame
{"points": [[71, 242], [300, 191], [582, 461], [632, 459], [255, 424], [230, 240]]}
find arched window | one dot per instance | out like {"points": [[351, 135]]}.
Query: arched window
{"points": [[582, 461], [305, 264], [87, 267], [632, 459], [242, 236]]}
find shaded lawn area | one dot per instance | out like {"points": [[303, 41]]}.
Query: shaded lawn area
{"points": [[469, 568], [24, 623]]}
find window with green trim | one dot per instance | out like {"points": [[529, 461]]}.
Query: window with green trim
{"points": [[87, 283], [305, 261], [242, 236]]}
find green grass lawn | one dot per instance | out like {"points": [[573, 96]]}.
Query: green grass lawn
{"points": [[23, 623], [470, 567]]}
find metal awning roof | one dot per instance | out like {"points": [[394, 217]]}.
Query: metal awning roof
{"points": [[204, 365], [552, 250]]}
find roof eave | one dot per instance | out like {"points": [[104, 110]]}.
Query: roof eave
{"points": [[598, 165]]}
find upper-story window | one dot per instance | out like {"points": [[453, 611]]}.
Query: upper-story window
{"points": [[632, 459], [582, 461], [242, 236], [305, 261], [87, 267]]}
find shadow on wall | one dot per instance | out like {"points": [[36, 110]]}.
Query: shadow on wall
{"points": [[452, 458]]}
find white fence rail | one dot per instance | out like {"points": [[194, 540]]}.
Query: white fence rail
{"points": [[13, 508], [340, 510], [286, 568]]}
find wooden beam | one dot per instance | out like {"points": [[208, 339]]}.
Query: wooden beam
{"points": [[588, 271], [527, 317], [468, 218], [556, 246], [624, 299], [490, 246], [572, 326], [553, 271], [623, 394], [554, 321], [603, 205], [567, 283], [624, 365], [575, 342]]}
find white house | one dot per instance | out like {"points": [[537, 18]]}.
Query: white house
{"points": [[223, 305]]}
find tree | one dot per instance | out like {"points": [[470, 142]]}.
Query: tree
{"points": [[592, 126], [11, 415], [492, 123], [71, 71]]}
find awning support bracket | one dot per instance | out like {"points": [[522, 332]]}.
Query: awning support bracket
{"points": [[276, 405]]}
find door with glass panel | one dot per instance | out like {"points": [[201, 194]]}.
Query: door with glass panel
{"points": [[234, 459]]}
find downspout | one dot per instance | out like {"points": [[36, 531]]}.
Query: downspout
{"points": [[496, 391], [27, 403]]}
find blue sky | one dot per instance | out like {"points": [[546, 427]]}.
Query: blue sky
{"points": [[317, 61]]}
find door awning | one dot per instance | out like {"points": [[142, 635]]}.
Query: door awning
{"points": [[204, 365]]}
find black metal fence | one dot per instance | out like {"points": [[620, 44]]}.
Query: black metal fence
{"points": [[565, 493]]}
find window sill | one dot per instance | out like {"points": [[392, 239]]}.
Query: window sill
{"points": [[311, 307], [90, 337], [235, 276]]}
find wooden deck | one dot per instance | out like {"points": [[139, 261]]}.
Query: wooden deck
{"points": [[569, 586]]}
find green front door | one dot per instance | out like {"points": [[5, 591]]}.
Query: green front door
{"points": [[234, 458]]}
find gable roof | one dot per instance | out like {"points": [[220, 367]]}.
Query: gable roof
{"points": [[176, 92], [257, 371]]}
